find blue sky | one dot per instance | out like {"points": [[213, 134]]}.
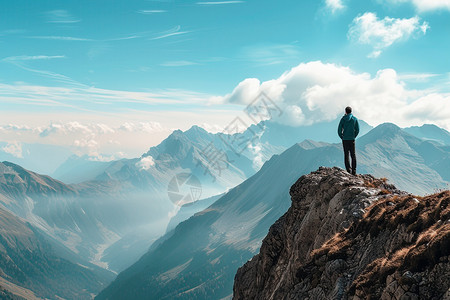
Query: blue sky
{"points": [[63, 61], [136, 45]]}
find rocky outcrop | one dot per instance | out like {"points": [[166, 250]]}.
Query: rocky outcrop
{"points": [[352, 237]]}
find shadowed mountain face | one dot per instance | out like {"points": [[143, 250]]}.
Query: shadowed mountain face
{"points": [[352, 238], [188, 210], [30, 268], [199, 258]]}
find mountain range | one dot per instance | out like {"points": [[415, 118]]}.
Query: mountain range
{"points": [[111, 212], [199, 258]]}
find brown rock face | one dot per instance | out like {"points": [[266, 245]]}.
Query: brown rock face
{"points": [[352, 237]]}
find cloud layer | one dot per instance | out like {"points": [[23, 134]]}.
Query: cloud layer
{"points": [[382, 33], [427, 5], [98, 140], [314, 92]]}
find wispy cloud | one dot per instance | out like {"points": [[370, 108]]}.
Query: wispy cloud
{"points": [[382, 33], [417, 76], [151, 12], [171, 32], [426, 5], [60, 16], [78, 97], [81, 39], [178, 63], [61, 38], [334, 5], [31, 57], [219, 2], [12, 32], [270, 54], [22, 62]]}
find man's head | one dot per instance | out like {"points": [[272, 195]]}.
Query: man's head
{"points": [[348, 110]]}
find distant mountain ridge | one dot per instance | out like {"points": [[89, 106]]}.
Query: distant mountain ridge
{"points": [[430, 132]]}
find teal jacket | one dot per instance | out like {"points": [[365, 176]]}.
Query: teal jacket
{"points": [[348, 127]]}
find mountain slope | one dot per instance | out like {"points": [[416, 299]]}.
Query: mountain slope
{"points": [[28, 263], [352, 238], [188, 210], [411, 163]]}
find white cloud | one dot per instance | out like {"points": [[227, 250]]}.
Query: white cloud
{"points": [[314, 92], [32, 57], [258, 159], [426, 5], [18, 128], [66, 128], [60, 16], [418, 77], [98, 140], [334, 5], [61, 38], [141, 127], [85, 98], [14, 148], [213, 128], [382, 33], [219, 2], [171, 32], [151, 12], [178, 63], [145, 163]]}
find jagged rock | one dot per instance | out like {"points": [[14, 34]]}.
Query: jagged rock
{"points": [[352, 237]]}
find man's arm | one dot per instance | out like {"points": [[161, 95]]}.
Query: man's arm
{"points": [[340, 133], [356, 128]]}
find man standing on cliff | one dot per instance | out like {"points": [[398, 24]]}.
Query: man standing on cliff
{"points": [[348, 131]]}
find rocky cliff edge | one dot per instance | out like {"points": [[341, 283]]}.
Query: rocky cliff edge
{"points": [[352, 237]]}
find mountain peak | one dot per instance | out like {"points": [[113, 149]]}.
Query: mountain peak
{"points": [[385, 131], [196, 128], [387, 127], [346, 237]]}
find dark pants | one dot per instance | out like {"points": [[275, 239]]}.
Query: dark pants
{"points": [[349, 148]]}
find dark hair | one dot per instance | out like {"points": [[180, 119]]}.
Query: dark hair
{"points": [[348, 110]]}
